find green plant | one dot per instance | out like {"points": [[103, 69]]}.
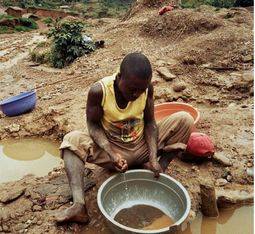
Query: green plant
{"points": [[20, 28], [48, 20], [68, 43], [215, 3], [4, 29], [29, 23]]}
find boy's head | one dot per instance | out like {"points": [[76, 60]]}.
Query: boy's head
{"points": [[135, 75]]}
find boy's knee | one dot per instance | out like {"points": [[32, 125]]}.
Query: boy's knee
{"points": [[186, 118], [73, 136]]}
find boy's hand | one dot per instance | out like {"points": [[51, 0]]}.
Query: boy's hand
{"points": [[119, 163], [156, 168]]}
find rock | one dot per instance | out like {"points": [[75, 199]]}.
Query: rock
{"points": [[46, 97], [208, 200], [248, 77], [250, 171], [5, 228], [249, 164], [221, 182], [229, 178], [247, 58], [13, 128], [71, 72], [178, 87], [160, 63], [10, 195], [222, 159], [251, 91], [165, 73], [39, 222], [37, 208]]}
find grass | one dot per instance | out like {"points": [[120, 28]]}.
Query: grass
{"points": [[4, 29], [24, 25], [215, 3], [48, 21]]}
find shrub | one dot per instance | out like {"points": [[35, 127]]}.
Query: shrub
{"points": [[215, 3], [48, 21], [4, 29], [29, 23], [68, 43]]}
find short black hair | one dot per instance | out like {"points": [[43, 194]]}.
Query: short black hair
{"points": [[136, 64]]}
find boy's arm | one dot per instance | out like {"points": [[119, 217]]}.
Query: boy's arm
{"points": [[94, 112], [151, 132]]}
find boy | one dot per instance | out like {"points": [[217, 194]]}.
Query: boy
{"points": [[121, 124]]}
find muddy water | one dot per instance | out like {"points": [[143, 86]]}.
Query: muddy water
{"points": [[27, 156], [143, 217], [230, 221]]}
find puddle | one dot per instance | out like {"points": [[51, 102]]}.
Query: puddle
{"points": [[230, 221], [27, 156]]}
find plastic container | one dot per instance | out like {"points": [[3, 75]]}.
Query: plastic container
{"points": [[19, 104]]}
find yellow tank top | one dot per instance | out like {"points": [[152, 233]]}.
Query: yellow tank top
{"points": [[125, 125]]}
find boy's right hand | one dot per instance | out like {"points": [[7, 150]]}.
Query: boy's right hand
{"points": [[119, 163]]}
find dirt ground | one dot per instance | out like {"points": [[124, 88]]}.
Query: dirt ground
{"points": [[209, 52]]}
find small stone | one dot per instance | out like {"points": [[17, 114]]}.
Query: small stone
{"points": [[229, 178], [5, 228], [250, 171], [178, 87], [13, 128], [247, 58], [222, 159], [46, 97], [37, 208], [221, 182], [166, 74], [34, 221], [249, 164], [39, 222], [70, 72]]}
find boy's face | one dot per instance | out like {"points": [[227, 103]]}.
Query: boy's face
{"points": [[132, 87]]}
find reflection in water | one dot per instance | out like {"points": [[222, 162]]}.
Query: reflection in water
{"points": [[230, 221], [27, 156]]}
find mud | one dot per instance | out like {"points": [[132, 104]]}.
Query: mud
{"points": [[213, 66]]}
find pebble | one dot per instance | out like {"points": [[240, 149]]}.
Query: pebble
{"points": [[5, 228], [221, 182], [229, 178], [221, 158], [46, 97], [250, 171], [178, 87], [249, 164], [39, 222], [37, 208], [166, 74], [13, 128]]}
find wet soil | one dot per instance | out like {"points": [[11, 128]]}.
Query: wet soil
{"points": [[216, 68]]}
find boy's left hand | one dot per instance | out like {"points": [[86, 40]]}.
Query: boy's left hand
{"points": [[155, 168]]}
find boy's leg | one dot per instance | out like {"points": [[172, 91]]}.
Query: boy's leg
{"points": [[74, 167], [174, 132], [76, 149]]}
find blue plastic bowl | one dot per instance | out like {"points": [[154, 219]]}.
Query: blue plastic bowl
{"points": [[19, 104]]}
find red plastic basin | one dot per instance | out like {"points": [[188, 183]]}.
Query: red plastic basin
{"points": [[165, 109]]}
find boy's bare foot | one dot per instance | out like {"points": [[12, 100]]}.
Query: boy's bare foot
{"points": [[76, 213]]}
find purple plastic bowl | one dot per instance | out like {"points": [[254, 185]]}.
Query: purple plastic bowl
{"points": [[19, 104]]}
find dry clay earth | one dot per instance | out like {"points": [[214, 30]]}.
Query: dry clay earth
{"points": [[203, 57]]}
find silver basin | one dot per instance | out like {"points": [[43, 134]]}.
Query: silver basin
{"points": [[139, 187]]}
